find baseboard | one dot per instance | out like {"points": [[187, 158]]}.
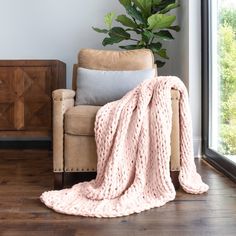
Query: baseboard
{"points": [[197, 147]]}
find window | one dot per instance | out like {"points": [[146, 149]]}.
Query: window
{"points": [[219, 84]]}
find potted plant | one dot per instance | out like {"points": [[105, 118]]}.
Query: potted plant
{"points": [[145, 23]]}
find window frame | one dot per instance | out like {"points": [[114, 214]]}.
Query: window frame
{"points": [[214, 158]]}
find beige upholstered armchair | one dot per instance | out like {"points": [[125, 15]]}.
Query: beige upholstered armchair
{"points": [[74, 148]]}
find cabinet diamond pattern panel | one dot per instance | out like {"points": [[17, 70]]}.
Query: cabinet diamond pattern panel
{"points": [[8, 98], [37, 97], [25, 96], [37, 115], [6, 110]]}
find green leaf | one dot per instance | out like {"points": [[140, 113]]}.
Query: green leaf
{"points": [[170, 7], [137, 15], [162, 53], [165, 3], [161, 5], [104, 31], [144, 6], [118, 32], [160, 63], [131, 47], [156, 2], [165, 35], [142, 43], [108, 18], [148, 33], [145, 39], [111, 40], [138, 5], [134, 30], [155, 47], [146, 36], [126, 21], [160, 21], [125, 3], [174, 27]]}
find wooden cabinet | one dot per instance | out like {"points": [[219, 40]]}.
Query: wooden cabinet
{"points": [[25, 97]]}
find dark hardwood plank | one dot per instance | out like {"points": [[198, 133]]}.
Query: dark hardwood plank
{"points": [[25, 174]]}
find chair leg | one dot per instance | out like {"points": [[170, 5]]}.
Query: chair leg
{"points": [[58, 180], [175, 178]]}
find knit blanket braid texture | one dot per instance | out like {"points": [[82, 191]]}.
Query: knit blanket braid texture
{"points": [[133, 148]]}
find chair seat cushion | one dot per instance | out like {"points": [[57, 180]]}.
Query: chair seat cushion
{"points": [[79, 120]]}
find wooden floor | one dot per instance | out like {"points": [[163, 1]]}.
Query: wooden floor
{"points": [[24, 175]]}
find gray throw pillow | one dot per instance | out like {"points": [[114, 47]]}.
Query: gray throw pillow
{"points": [[97, 87]]}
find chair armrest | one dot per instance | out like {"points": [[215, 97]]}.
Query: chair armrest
{"points": [[175, 133], [63, 94], [63, 99]]}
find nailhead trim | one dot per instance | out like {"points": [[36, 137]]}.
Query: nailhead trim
{"points": [[74, 169]]}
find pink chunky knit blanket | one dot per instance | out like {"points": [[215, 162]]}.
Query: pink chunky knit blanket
{"points": [[133, 148]]}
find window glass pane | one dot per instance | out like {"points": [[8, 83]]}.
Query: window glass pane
{"points": [[223, 77]]}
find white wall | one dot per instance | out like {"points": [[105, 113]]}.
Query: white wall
{"points": [[51, 29], [195, 71], [178, 50], [57, 29], [185, 62]]}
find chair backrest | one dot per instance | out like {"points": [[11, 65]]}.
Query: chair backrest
{"points": [[139, 59]]}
